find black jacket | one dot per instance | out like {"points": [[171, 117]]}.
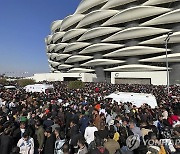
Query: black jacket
{"points": [[49, 145], [5, 144]]}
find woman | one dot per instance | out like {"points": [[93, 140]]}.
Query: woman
{"points": [[60, 141]]}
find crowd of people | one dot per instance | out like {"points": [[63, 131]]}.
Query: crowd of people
{"points": [[81, 121]]}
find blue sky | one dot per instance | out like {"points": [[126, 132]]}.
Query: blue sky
{"points": [[23, 26]]}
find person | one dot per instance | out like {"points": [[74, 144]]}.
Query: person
{"points": [[18, 133], [60, 141], [6, 142], [26, 144], [100, 149], [89, 132], [39, 137], [124, 132], [83, 122], [82, 147], [111, 145], [55, 125], [50, 141], [103, 132], [96, 118], [15, 150], [74, 134], [66, 149], [136, 130]]}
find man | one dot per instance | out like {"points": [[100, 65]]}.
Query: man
{"points": [[111, 145], [50, 141], [136, 130], [55, 125], [83, 122], [124, 132], [39, 136], [6, 142], [89, 132], [26, 144], [18, 133], [82, 146]]}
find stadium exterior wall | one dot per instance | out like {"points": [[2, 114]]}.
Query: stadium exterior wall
{"points": [[84, 77], [105, 36], [157, 78]]}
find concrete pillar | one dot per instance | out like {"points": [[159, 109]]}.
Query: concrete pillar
{"points": [[76, 65], [175, 72], [132, 60], [99, 69], [100, 74], [176, 5]]}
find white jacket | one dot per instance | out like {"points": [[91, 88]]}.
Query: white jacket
{"points": [[89, 134], [26, 147]]}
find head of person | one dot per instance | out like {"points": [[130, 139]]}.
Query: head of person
{"points": [[81, 142], [125, 122], [116, 123], [15, 150], [102, 125], [37, 124], [25, 136], [91, 122], [99, 142], [57, 132], [66, 148], [7, 132], [111, 135], [22, 125], [132, 124], [62, 135], [48, 131], [72, 123]]}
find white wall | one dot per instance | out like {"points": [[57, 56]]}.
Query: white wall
{"points": [[85, 77], [157, 77]]}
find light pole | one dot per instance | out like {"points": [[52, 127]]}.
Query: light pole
{"points": [[167, 64]]}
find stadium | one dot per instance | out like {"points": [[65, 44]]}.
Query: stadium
{"points": [[114, 37]]}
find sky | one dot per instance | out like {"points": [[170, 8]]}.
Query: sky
{"points": [[24, 24]]}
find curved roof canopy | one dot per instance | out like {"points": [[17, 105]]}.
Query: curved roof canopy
{"points": [[53, 63], [64, 66], [61, 56], [172, 58], [77, 58], [135, 13], [80, 70], [135, 50], [55, 25], [100, 47], [170, 17], [48, 39], [60, 46], [115, 3], [95, 16], [135, 68], [101, 62], [156, 2], [71, 20], [51, 47], [174, 38], [75, 46], [72, 34], [87, 4], [57, 36], [135, 32], [97, 32]]}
